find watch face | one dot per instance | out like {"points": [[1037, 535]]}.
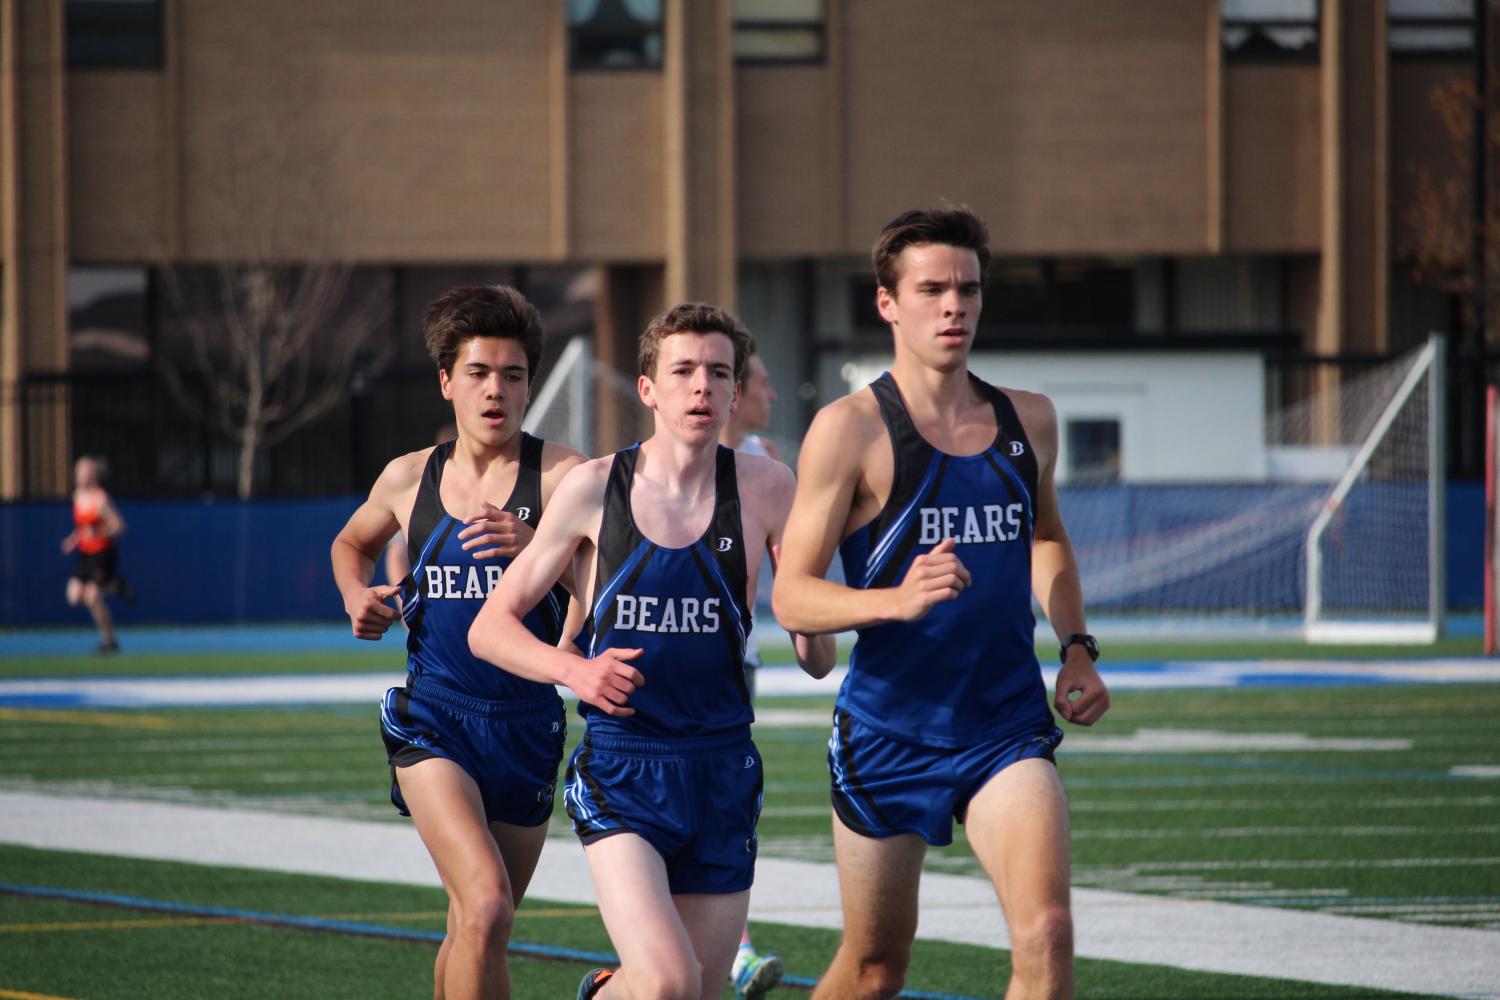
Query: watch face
{"points": [[1088, 642]]}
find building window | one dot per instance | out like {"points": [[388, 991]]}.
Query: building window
{"points": [[614, 34], [1270, 30], [778, 31], [1077, 295], [109, 318], [1093, 451], [1431, 27], [115, 34]]}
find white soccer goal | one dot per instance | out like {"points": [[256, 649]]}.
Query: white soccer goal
{"points": [[1369, 587], [587, 405], [1341, 541]]}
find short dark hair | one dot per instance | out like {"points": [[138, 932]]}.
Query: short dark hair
{"points": [[694, 317], [955, 226], [482, 311]]}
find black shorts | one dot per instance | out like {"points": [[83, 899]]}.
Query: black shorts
{"points": [[100, 567]]}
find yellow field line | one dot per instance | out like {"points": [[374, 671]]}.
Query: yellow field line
{"points": [[95, 925], [18, 995], [119, 719], [523, 913]]}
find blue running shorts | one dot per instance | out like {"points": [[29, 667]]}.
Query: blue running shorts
{"points": [[512, 750], [884, 787], [696, 801]]}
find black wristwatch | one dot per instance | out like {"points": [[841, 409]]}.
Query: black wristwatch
{"points": [[1089, 643]]}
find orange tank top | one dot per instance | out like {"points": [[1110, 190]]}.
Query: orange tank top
{"points": [[88, 520]]}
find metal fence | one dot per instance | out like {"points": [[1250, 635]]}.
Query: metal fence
{"points": [[157, 448]]}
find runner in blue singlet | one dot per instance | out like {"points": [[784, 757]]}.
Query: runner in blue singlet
{"points": [[666, 538], [937, 491], [473, 751]]}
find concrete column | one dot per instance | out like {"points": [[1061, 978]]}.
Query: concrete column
{"points": [[628, 297], [1353, 314], [1353, 311], [1327, 334], [699, 157], [1214, 188], [1366, 184], [10, 313], [34, 320]]}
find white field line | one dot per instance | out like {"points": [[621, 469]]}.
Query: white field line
{"points": [[1214, 741], [138, 692], [1230, 805], [1206, 936]]}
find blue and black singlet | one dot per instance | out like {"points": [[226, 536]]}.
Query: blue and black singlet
{"points": [[967, 671], [686, 607], [447, 586]]}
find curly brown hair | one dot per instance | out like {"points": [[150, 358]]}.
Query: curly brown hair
{"points": [[482, 311], [694, 317]]}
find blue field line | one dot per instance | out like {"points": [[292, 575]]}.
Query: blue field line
{"points": [[40, 692], [354, 927], [333, 636], [293, 638]]}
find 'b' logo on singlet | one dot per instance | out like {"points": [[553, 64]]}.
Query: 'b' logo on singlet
{"points": [[1017, 448], [725, 544], [524, 513]]}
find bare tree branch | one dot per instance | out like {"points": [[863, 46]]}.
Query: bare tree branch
{"points": [[273, 341]]}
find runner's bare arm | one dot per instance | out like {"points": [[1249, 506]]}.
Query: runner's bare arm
{"points": [[499, 633], [829, 471], [359, 544], [114, 524], [1054, 571], [773, 488]]}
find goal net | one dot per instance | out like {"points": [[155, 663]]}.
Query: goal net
{"points": [[1342, 540], [587, 405]]}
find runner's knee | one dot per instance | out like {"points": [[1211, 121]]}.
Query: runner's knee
{"points": [[486, 916], [1043, 939], [882, 971], [679, 980]]}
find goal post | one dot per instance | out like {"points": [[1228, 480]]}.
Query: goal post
{"points": [[586, 404], [1381, 490], [1491, 534], [563, 409]]}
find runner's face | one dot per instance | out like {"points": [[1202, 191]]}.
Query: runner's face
{"points": [[694, 385], [756, 396], [934, 309], [488, 389]]}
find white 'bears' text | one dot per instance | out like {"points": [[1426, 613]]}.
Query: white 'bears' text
{"points": [[667, 614], [971, 525], [455, 582]]}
